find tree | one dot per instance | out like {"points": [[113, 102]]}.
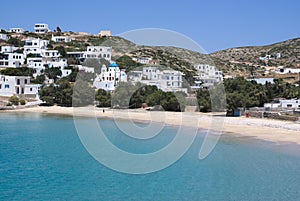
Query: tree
{"points": [[58, 29], [16, 42], [48, 95], [61, 50], [23, 71], [39, 79], [126, 62], [64, 93], [83, 94], [53, 73], [103, 97]]}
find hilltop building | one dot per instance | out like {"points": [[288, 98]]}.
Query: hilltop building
{"points": [[41, 28], [166, 80], [110, 77], [16, 30], [105, 33]]}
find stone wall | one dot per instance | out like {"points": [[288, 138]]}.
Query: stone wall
{"points": [[272, 115]]}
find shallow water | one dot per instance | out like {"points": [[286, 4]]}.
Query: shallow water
{"points": [[42, 158]]}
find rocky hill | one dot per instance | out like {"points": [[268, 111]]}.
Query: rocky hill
{"points": [[241, 61]]}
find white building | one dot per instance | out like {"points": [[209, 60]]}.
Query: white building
{"points": [[58, 39], [18, 85], [3, 36], [8, 49], [110, 77], [39, 64], [105, 33], [166, 80], [50, 53], [98, 52], [291, 103], [35, 46], [262, 81], [41, 28], [143, 60], [16, 30], [93, 52], [12, 60], [207, 76], [288, 70], [85, 69]]}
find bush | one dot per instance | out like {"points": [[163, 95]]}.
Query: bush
{"points": [[14, 100], [22, 102]]}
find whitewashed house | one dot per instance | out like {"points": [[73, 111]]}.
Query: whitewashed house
{"points": [[3, 36], [19, 86], [143, 60], [8, 49], [292, 103], [110, 77], [98, 52], [35, 46], [37, 64], [85, 69], [288, 70], [50, 53], [41, 28], [285, 104], [207, 76], [93, 52], [12, 60], [166, 80], [16, 30], [262, 81], [59, 39]]}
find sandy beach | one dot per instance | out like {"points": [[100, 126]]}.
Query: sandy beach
{"points": [[266, 129]]}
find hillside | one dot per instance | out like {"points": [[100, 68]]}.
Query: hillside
{"points": [[242, 60]]}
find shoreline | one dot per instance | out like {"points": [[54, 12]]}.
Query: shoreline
{"points": [[263, 129]]}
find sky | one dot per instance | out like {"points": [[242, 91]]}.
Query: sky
{"points": [[213, 24]]}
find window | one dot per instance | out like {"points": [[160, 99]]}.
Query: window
{"points": [[30, 89], [0, 86], [289, 105], [6, 86], [25, 81], [18, 81]]}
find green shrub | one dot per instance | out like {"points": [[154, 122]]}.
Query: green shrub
{"points": [[14, 100], [22, 102]]}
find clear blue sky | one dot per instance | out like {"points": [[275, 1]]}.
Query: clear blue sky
{"points": [[214, 24]]}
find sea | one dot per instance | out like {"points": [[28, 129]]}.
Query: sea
{"points": [[43, 158]]}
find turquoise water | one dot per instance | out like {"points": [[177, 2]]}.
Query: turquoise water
{"points": [[42, 158]]}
